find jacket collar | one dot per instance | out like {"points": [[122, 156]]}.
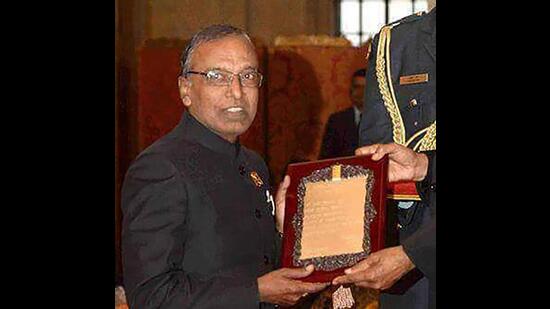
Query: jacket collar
{"points": [[194, 131]]}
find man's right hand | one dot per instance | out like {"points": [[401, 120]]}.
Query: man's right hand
{"points": [[404, 164], [279, 287]]}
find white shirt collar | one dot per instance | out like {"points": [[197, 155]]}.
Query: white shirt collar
{"points": [[357, 114]]}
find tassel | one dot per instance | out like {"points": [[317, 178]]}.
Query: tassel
{"points": [[342, 298]]}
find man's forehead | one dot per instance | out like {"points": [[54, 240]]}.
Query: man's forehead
{"points": [[231, 51]]}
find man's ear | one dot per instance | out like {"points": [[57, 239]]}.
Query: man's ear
{"points": [[184, 85]]}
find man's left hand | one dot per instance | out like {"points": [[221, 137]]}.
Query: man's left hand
{"points": [[380, 270]]}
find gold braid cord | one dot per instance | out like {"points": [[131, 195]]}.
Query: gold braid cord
{"points": [[383, 74], [428, 141], [383, 66], [417, 134]]}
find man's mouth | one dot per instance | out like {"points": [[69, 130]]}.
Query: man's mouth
{"points": [[235, 109]]}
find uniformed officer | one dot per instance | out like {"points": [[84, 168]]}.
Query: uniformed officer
{"points": [[198, 228], [400, 108]]}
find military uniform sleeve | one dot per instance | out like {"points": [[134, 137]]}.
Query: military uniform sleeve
{"points": [[428, 185], [375, 126], [154, 204], [421, 246]]}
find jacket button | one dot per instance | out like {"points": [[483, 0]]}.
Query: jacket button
{"points": [[413, 103], [266, 259], [258, 213]]}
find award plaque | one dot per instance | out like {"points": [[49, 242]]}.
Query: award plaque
{"points": [[334, 214]]}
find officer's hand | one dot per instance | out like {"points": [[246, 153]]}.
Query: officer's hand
{"points": [[405, 164], [380, 270], [279, 287], [280, 203]]}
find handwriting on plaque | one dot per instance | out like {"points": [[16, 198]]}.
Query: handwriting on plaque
{"points": [[334, 217]]}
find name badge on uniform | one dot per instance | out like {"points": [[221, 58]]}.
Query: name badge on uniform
{"points": [[413, 79]]}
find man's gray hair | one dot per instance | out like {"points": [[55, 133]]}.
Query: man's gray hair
{"points": [[210, 33]]}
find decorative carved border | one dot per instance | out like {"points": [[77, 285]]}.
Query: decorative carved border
{"points": [[330, 263]]}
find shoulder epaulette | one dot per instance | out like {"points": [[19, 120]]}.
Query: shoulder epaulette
{"points": [[408, 19]]}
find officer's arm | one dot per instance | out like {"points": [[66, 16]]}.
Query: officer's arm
{"points": [[154, 202], [375, 126], [421, 246]]}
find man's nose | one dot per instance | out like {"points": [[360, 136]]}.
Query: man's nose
{"points": [[235, 87]]}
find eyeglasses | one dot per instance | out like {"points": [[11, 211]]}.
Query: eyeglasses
{"points": [[248, 78]]}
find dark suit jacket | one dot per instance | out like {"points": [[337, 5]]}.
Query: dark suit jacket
{"points": [[412, 52], [197, 230], [341, 135]]}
